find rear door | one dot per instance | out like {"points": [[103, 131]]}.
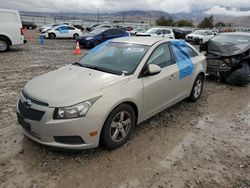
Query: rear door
{"points": [[167, 33], [62, 32], [71, 31], [184, 58]]}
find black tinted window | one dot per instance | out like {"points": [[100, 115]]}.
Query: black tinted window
{"points": [[71, 28], [167, 31], [108, 32], [159, 32]]}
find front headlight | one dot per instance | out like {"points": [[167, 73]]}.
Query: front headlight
{"points": [[89, 38], [75, 111]]}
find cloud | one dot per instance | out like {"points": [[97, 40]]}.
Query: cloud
{"points": [[171, 6], [218, 10]]}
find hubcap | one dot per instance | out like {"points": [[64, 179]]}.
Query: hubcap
{"points": [[120, 126], [197, 88], [3, 45]]}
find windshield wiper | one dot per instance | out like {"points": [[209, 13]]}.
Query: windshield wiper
{"points": [[97, 68], [101, 69], [78, 64]]}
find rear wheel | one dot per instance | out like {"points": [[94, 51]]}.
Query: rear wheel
{"points": [[4, 45], [52, 35], [75, 36], [197, 88], [118, 127]]}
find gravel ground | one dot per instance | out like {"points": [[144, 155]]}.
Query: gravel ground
{"points": [[205, 144]]}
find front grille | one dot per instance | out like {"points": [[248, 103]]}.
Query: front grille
{"points": [[72, 140], [29, 113], [34, 100]]}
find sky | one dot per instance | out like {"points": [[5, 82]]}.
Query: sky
{"points": [[215, 7]]}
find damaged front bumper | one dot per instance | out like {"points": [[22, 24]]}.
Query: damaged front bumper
{"points": [[215, 67]]}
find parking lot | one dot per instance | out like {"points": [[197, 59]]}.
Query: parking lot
{"points": [[202, 144]]}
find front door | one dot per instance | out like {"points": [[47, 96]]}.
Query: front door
{"points": [[158, 89]]}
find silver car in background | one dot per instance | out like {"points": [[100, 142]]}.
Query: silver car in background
{"points": [[115, 86]]}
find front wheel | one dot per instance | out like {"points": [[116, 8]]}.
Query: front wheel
{"points": [[197, 88], [97, 42], [52, 36], [118, 127]]}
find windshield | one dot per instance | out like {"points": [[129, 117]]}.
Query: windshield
{"points": [[97, 31], [198, 32], [115, 58], [232, 39], [152, 31]]}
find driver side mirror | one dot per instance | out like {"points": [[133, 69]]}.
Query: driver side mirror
{"points": [[152, 69]]}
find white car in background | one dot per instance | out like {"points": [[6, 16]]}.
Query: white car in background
{"points": [[47, 27], [11, 32], [200, 36], [62, 31], [158, 32]]}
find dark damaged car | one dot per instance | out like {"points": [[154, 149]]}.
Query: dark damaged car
{"points": [[228, 57]]}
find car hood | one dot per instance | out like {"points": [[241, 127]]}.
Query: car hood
{"points": [[226, 49], [143, 34], [194, 35], [87, 35], [71, 84]]}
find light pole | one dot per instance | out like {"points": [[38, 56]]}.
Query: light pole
{"points": [[98, 16]]}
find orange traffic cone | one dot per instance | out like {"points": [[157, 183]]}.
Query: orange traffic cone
{"points": [[77, 51]]}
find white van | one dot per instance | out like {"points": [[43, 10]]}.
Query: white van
{"points": [[11, 32]]}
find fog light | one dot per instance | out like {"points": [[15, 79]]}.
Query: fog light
{"points": [[94, 133]]}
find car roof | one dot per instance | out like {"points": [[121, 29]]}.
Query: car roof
{"points": [[237, 33], [160, 28], [148, 41]]}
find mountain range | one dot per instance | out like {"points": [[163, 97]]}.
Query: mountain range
{"points": [[143, 16]]}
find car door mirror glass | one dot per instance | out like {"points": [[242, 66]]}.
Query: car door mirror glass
{"points": [[153, 69]]}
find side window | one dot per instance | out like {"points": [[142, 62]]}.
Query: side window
{"points": [[118, 32], [108, 32], [209, 33], [159, 32], [167, 31], [191, 52], [63, 28], [161, 56], [71, 28]]}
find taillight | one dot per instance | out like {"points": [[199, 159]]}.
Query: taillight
{"points": [[21, 31]]}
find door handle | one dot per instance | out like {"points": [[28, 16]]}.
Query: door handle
{"points": [[172, 76]]}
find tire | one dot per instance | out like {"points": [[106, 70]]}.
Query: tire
{"points": [[75, 36], [197, 88], [97, 42], [240, 77], [4, 44], [52, 35], [200, 41], [118, 127]]}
